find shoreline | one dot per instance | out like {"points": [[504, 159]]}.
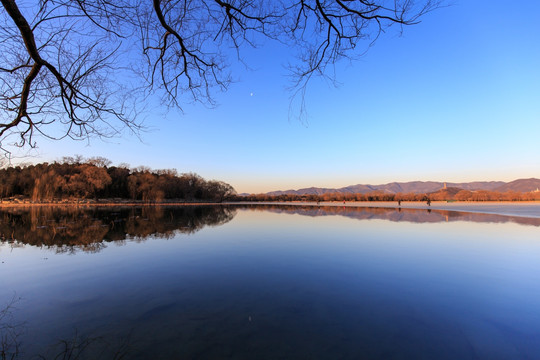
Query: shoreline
{"points": [[530, 209]]}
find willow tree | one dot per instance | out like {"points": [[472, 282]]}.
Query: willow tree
{"points": [[81, 68]]}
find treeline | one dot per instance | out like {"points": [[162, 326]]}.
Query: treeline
{"points": [[95, 178], [462, 195]]}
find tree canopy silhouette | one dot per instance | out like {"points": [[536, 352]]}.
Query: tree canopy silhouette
{"points": [[74, 68]]}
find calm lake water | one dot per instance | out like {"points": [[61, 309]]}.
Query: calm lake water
{"points": [[268, 283]]}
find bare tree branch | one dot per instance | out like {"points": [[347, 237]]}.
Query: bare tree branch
{"points": [[73, 69]]}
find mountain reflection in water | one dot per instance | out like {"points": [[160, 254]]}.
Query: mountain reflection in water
{"points": [[70, 229], [396, 214]]}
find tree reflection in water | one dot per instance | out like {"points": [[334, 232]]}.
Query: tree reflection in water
{"points": [[72, 229], [10, 331]]}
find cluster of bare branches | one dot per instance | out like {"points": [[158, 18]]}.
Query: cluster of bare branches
{"points": [[60, 70], [10, 331], [186, 48], [326, 31], [74, 68]]}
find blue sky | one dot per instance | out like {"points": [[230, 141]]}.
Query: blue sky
{"points": [[455, 98]]}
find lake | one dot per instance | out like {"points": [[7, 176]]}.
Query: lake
{"points": [[268, 282]]}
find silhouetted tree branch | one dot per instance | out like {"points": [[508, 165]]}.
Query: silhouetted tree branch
{"points": [[72, 68]]}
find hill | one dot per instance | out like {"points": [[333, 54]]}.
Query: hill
{"points": [[420, 187], [521, 185]]}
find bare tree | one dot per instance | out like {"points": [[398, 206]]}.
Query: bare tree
{"points": [[73, 68]]}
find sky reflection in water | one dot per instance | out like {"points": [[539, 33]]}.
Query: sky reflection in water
{"points": [[278, 283]]}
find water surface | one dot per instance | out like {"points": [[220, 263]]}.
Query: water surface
{"points": [[270, 282]]}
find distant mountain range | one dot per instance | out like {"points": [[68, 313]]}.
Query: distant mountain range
{"points": [[420, 187]]}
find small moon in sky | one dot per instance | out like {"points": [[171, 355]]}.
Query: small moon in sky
{"points": [[251, 94]]}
